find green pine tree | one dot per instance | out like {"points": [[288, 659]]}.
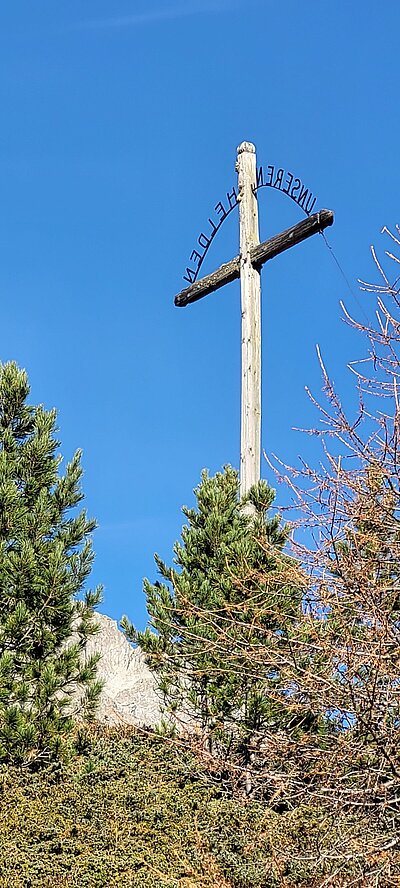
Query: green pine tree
{"points": [[45, 560], [222, 616]]}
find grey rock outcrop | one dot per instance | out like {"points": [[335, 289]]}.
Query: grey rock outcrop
{"points": [[129, 695]]}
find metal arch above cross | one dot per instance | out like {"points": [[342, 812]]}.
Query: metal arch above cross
{"points": [[247, 266]]}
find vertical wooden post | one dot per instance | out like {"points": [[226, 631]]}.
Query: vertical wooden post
{"points": [[250, 445]]}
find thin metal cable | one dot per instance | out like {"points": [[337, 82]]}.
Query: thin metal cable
{"points": [[345, 278]]}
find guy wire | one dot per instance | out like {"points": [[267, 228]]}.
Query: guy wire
{"points": [[345, 278]]}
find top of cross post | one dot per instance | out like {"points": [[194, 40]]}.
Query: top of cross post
{"points": [[246, 146]]}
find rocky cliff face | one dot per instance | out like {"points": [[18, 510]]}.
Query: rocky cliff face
{"points": [[129, 695]]}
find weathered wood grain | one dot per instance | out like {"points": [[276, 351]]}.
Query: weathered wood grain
{"points": [[292, 236], [224, 275], [250, 291]]}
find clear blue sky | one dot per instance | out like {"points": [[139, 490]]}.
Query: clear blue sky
{"points": [[120, 121]]}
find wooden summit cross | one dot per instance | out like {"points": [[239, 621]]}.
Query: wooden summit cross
{"points": [[248, 266]]}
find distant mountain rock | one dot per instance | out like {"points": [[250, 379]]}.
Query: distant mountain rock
{"points": [[129, 695]]}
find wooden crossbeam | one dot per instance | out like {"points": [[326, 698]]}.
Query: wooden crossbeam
{"points": [[224, 275], [260, 254]]}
